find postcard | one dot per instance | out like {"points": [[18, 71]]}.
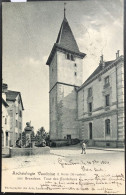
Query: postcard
{"points": [[63, 97]]}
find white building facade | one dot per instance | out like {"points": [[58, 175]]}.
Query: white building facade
{"points": [[101, 105], [15, 112], [93, 110], [5, 123]]}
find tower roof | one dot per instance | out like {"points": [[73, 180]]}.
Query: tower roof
{"points": [[65, 42], [66, 38]]}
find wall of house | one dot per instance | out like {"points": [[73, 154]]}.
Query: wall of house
{"points": [[18, 117], [99, 111], [11, 113], [5, 127], [15, 129], [98, 95], [120, 99]]}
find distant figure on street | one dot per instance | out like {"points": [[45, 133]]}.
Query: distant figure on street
{"points": [[83, 147]]}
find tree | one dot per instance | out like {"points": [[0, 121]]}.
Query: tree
{"points": [[41, 137]]}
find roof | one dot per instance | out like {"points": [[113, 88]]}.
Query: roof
{"points": [[11, 96], [98, 70], [65, 41], [66, 38], [5, 103]]}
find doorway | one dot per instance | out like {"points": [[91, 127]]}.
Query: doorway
{"points": [[68, 136], [90, 130], [6, 138]]}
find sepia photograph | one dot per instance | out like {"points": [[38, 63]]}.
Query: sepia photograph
{"points": [[63, 97]]}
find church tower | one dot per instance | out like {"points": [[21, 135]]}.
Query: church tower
{"points": [[65, 75]]}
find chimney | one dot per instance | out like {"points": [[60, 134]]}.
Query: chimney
{"points": [[102, 63], [4, 87], [101, 59], [117, 54]]}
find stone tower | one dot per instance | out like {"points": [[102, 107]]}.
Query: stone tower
{"points": [[65, 75]]}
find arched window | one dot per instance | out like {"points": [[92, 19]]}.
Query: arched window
{"points": [[107, 126]]}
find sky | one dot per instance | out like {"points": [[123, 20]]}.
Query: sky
{"points": [[29, 31]]}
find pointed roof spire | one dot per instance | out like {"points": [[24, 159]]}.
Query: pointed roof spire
{"points": [[65, 40], [64, 10]]}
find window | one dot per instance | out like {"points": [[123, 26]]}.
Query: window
{"points": [[19, 135], [90, 130], [90, 92], [20, 113], [16, 123], [19, 100], [6, 138], [68, 56], [68, 136], [5, 121], [20, 125], [106, 81], [107, 126], [53, 100], [72, 58], [107, 103], [90, 107], [75, 73]]}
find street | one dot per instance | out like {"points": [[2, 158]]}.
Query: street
{"points": [[65, 161], [67, 153]]}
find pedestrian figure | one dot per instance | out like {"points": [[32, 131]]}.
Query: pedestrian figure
{"points": [[83, 147]]}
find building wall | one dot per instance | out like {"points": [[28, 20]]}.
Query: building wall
{"points": [[5, 127], [63, 96], [15, 127], [120, 99], [66, 69], [18, 117], [67, 123], [98, 96], [100, 112], [63, 112], [11, 113], [53, 112], [53, 72], [98, 127]]}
